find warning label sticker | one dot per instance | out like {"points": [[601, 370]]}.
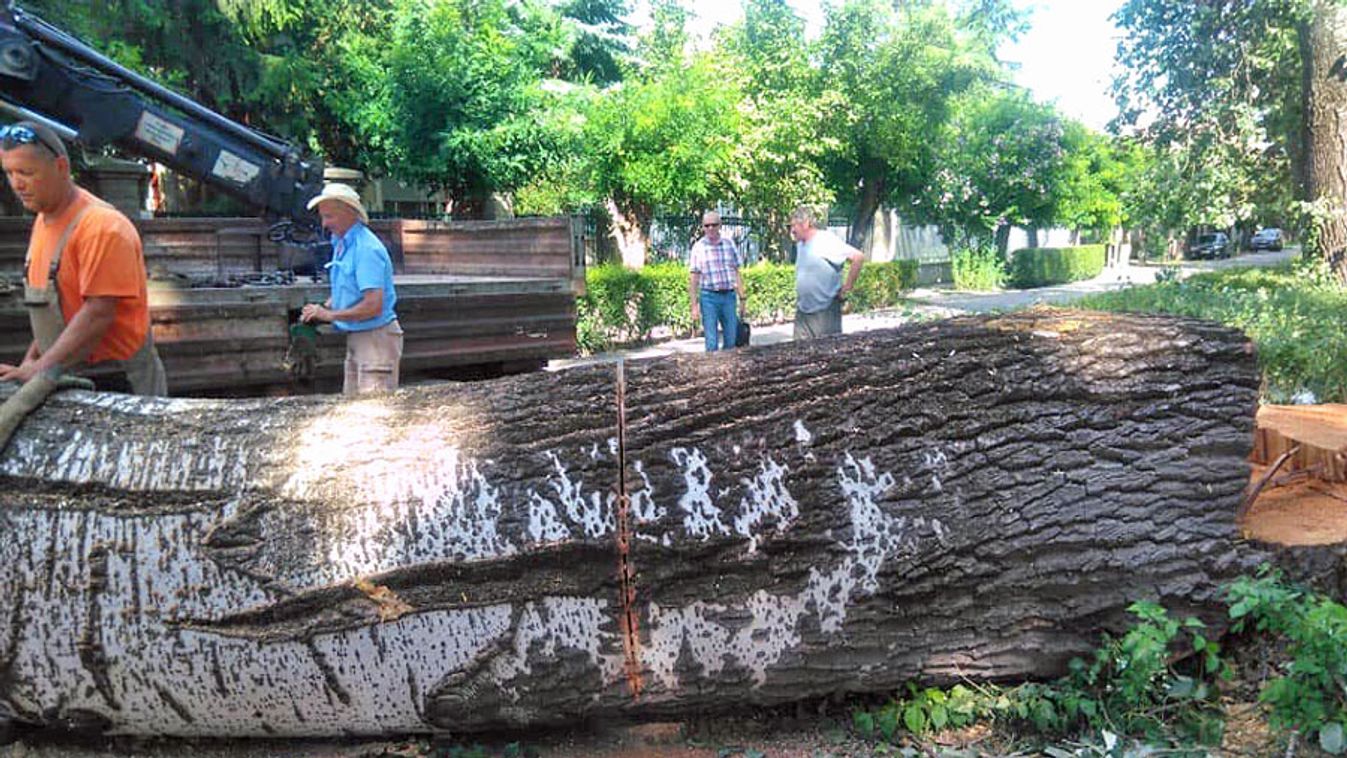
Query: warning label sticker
{"points": [[158, 132], [231, 167]]}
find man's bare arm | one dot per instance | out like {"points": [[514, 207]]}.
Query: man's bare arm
{"points": [[857, 259]]}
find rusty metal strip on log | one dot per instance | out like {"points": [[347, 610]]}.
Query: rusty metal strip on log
{"points": [[625, 571]]}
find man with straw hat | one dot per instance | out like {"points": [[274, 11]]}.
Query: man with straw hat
{"points": [[362, 301]]}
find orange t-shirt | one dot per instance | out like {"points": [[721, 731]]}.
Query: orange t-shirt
{"points": [[102, 259]]}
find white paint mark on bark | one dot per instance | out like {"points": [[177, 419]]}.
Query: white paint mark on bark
{"points": [[358, 680], [772, 629], [214, 685], [442, 509], [592, 512], [544, 526], [701, 518], [802, 434], [873, 532], [766, 499], [645, 510], [554, 624], [203, 464]]}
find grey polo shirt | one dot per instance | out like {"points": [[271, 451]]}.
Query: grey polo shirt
{"points": [[818, 270]]}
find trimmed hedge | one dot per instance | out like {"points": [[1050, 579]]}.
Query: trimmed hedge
{"points": [[1043, 266], [623, 306]]}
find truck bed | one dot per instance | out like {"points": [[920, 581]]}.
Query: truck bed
{"points": [[474, 298]]}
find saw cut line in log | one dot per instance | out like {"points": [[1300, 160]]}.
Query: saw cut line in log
{"points": [[978, 497]]}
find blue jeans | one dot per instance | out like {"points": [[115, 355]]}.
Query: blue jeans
{"points": [[719, 309]]}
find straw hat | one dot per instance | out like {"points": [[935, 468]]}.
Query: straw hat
{"points": [[342, 193]]}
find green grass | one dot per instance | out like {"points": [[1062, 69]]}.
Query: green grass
{"points": [[1296, 314]]}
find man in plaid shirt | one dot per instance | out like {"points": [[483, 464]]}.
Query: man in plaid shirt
{"points": [[715, 287]]}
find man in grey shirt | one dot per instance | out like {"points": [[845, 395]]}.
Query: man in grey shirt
{"points": [[819, 289]]}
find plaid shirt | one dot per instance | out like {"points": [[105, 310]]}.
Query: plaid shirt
{"points": [[716, 262]]}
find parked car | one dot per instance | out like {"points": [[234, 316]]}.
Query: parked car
{"points": [[1268, 238], [1213, 245]]}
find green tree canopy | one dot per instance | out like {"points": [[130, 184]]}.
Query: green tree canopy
{"points": [[455, 98], [896, 69], [1002, 162], [1091, 190], [662, 140], [1216, 89], [777, 161]]}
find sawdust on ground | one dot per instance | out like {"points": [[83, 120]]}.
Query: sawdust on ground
{"points": [[1302, 513]]}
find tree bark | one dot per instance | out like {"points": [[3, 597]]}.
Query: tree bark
{"points": [[975, 498], [1324, 53], [631, 238], [867, 205], [1002, 239]]}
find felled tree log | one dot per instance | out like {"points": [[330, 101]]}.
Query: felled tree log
{"points": [[978, 497]]}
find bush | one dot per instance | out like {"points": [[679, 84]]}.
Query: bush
{"points": [[1042, 266], [771, 292], [978, 270], [624, 306], [1291, 313], [619, 306]]}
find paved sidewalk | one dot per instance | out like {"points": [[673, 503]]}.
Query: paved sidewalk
{"points": [[943, 302], [1110, 280]]}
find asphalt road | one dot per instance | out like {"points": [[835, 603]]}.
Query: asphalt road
{"points": [[942, 302]]}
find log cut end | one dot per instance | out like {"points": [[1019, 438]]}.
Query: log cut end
{"points": [[1299, 481]]}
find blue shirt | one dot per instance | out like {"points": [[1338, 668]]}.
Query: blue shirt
{"points": [[360, 262], [818, 270]]}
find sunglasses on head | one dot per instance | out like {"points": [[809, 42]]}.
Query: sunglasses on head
{"points": [[13, 135]]}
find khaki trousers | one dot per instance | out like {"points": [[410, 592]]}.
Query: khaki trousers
{"points": [[811, 326], [372, 359]]}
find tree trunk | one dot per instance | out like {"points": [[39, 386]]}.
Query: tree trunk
{"points": [[972, 498], [631, 239], [1324, 52], [867, 205], [1002, 239]]}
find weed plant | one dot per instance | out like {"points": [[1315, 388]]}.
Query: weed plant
{"points": [[1158, 684], [978, 270], [1309, 694]]}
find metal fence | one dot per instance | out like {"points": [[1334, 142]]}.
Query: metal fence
{"points": [[672, 237]]}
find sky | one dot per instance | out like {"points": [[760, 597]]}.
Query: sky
{"points": [[1065, 58]]}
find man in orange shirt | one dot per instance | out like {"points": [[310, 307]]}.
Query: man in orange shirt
{"points": [[86, 286]]}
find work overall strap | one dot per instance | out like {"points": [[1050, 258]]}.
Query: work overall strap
{"points": [[44, 303]]}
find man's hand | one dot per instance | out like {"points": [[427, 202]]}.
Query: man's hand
{"points": [[696, 311], [314, 312], [20, 373]]}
